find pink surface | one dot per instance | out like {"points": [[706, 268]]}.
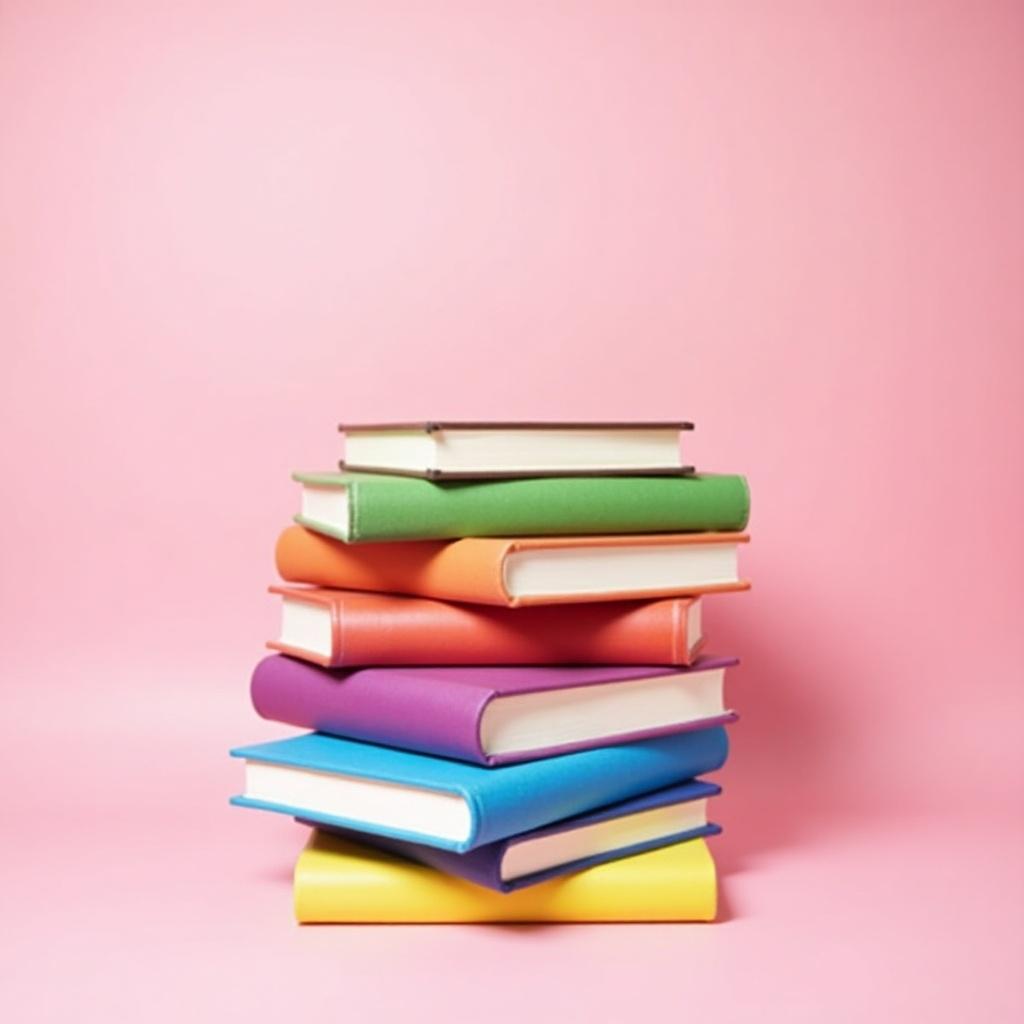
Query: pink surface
{"points": [[225, 226]]}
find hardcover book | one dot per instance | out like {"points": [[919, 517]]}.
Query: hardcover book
{"points": [[648, 822], [520, 571], [458, 806], [360, 507], [494, 449], [338, 628], [339, 882], [492, 715]]}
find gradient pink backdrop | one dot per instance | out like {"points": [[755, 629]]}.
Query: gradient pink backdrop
{"points": [[224, 226]]}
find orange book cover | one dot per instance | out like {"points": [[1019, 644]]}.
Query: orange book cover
{"points": [[473, 569], [387, 629]]}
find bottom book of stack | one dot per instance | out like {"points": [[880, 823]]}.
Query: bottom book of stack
{"points": [[338, 881]]}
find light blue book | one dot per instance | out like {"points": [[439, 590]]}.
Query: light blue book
{"points": [[453, 805]]}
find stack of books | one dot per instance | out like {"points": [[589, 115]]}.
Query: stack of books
{"points": [[493, 631]]}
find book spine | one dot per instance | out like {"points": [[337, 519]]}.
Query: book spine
{"points": [[454, 571], [416, 631], [338, 882], [374, 706], [393, 508]]}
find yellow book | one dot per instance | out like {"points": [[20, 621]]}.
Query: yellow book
{"points": [[339, 882]]}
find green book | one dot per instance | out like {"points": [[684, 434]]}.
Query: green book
{"points": [[359, 507]]}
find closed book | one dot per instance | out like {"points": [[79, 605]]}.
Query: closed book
{"points": [[520, 570], [360, 507], [338, 628], [460, 449], [458, 806], [648, 822], [339, 882], [492, 715]]}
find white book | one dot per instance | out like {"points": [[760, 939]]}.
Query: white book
{"points": [[438, 450]]}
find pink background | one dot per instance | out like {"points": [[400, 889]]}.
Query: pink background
{"points": [[225, 226]]}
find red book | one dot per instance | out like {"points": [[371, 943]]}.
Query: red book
{"points": [[338, 628]]}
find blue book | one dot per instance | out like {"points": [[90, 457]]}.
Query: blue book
{"points": [[666, 816], [453, 805]]}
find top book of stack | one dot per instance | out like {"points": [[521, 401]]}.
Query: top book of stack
{"points": [[466, 450]]}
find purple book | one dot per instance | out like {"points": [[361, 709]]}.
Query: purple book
{"points": [[665, 816], [495, 714]]}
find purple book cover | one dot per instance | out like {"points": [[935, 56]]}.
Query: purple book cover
{"points": [[436, 710]]}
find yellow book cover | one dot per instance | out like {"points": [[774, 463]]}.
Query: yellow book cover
{"points": [[339, 882]]}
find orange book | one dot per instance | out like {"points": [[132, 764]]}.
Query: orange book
{"points": [[339, 628], [518, 571]]}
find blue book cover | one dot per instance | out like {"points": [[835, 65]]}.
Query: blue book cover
{"points": [[484, 865], [499, 802]]}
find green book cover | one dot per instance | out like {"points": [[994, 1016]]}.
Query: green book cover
{"points": [[360, 507]]}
